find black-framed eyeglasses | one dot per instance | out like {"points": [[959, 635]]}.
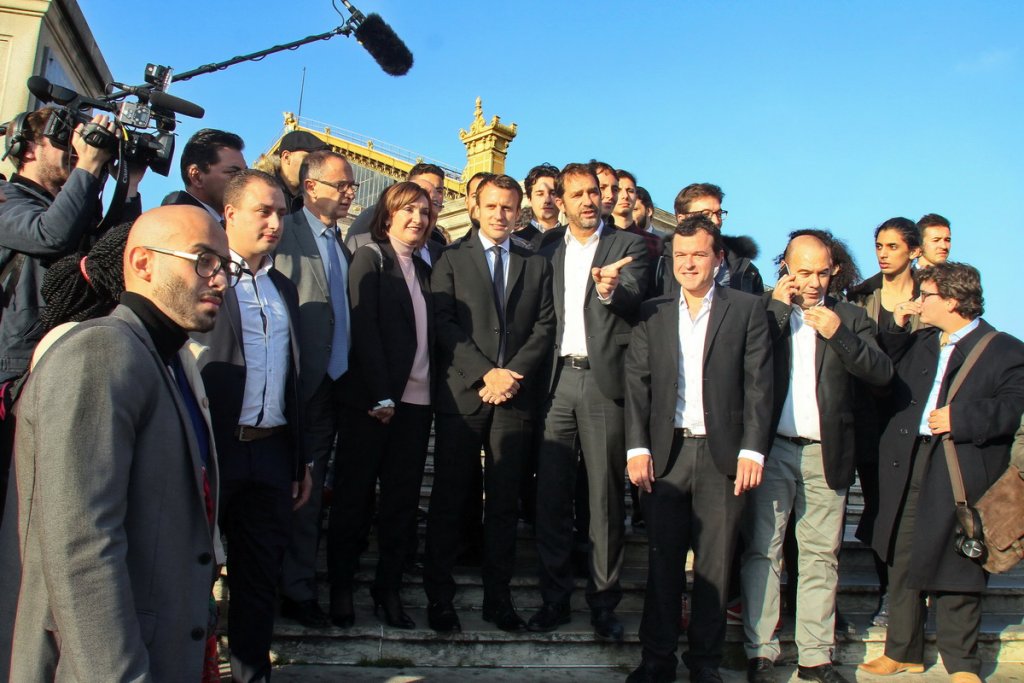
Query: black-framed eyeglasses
{"points": [[708, 213], [207, 263], [923, 295], [342, 186]]}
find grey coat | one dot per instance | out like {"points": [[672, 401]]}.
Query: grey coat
{"points": [[118, 554]]}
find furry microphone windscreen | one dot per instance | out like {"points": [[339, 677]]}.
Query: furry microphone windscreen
{"points": [[384, 45]]}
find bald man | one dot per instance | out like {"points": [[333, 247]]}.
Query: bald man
{"points": [[822, 349], [116, 473]]}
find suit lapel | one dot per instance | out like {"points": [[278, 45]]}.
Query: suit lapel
{"points": [[515, 271], [719, 305], [234, 317], [309, 249], [604, 245], [958, 356], [392, 270]]}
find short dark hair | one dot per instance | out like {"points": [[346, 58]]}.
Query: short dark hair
{"points": [[482, 175], [931, 220], [536, 173], [573, 169], [391, 200], [691, 225], [957, 281], [645, 197], [312, 166], [622, 173], [237, 184], [503, 182], [695, 191], [905, 227], [599, 167], [203, 149], [423, 168]]}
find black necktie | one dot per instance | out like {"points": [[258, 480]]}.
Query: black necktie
{"points": [[498, 280]]}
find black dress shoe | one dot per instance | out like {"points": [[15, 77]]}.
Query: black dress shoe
{"points": [[606, 625], [442, 618], [503, 615], [761, 670], [649, 674], [306, 612], [342, 613], [550, 617], [705, 674], [388, 603], [825, 673]]}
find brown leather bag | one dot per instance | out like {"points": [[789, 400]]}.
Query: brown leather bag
{"points": [[1000, 510]]}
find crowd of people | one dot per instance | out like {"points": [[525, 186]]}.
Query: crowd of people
{"points": [[183, 385]]}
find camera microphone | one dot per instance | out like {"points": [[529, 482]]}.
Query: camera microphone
{"points": [[176, 104], [384, 45], [49, 92]]}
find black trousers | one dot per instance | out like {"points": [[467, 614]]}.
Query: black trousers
{"points": [[957, 615], [395, 454], [580, 418], [255, 518], [693, 506], [504, 436]]}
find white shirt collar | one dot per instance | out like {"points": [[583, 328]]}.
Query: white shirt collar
{"points": [[484, 240], [268, 263], [568, 235]]}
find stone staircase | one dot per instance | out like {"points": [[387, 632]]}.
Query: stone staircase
{"points": [[482, 645]]}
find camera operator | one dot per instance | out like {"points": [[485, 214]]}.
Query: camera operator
{"points": [[53, 208]]}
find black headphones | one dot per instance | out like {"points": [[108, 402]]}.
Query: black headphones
{"points": [[15, 140]]}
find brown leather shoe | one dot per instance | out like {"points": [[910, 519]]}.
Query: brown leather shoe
{"points": [[964, 677], [886, 666]]}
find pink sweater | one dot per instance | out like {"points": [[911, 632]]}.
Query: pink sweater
{"points": [[417, 389]]}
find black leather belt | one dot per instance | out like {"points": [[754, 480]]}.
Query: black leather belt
{"points": [[687, 434], [924, 438], [576, 362], [798, 440], [246, 433]]}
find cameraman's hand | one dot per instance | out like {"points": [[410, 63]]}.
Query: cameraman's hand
{"points": [[92, 159]]}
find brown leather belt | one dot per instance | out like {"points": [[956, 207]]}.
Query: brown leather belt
{"points": [[246, 433]]}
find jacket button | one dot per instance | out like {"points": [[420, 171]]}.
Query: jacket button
{"points": [[206, 403], [896, 464], [902, 430], [924, 372], [204, 558], [198, 633], [913, 401]]}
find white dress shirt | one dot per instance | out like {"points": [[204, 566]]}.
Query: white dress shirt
{"points": [[579, 259], [209, 209], [693, 333], [944, 353], [265, 344], [800, 415]]}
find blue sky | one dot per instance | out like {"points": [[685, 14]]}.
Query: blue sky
{"points": [[836, 115]]}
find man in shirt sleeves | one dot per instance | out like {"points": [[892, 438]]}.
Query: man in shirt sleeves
{"points": [[698, 375]]}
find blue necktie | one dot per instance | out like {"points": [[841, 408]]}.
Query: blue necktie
{"points": [[338, 362]]}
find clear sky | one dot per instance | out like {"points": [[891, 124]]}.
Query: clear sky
{"points": [[836, 115]]}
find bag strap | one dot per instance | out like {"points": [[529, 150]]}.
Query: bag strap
{"points": [[956, 478]]}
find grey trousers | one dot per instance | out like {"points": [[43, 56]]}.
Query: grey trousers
{"points": [[793, 484]]}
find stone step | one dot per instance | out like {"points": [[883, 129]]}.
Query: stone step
{"points": [[481, 645]]}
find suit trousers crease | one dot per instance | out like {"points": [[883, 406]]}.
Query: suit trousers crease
{"points": [[255, 519], [394, 454], [323, 417], [577, 418], [691, 506], [794, 486], [957, 615], [504, 436]]}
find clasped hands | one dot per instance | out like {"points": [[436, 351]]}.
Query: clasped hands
{"points": [[500, 385], [640, 469]]}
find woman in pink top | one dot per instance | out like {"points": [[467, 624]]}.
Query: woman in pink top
{"points": [[388, 396]]}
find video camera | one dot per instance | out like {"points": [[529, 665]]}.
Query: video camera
{"points": [[133, 142]]}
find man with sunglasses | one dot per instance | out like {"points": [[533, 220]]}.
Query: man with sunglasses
{"points": [[738, 270], [312, 256], [117, 472], [916, 523]]}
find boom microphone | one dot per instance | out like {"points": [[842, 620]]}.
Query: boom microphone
{"points": [[384, 45], [49, 92], [176, 104]]}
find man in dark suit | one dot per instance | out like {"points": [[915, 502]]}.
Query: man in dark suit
{"points": [[495, 321], [823, 350], [698, 423], [913, 478], [597, 276], [311, 255], [540, 192], [208, 161], [251, 373]]}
